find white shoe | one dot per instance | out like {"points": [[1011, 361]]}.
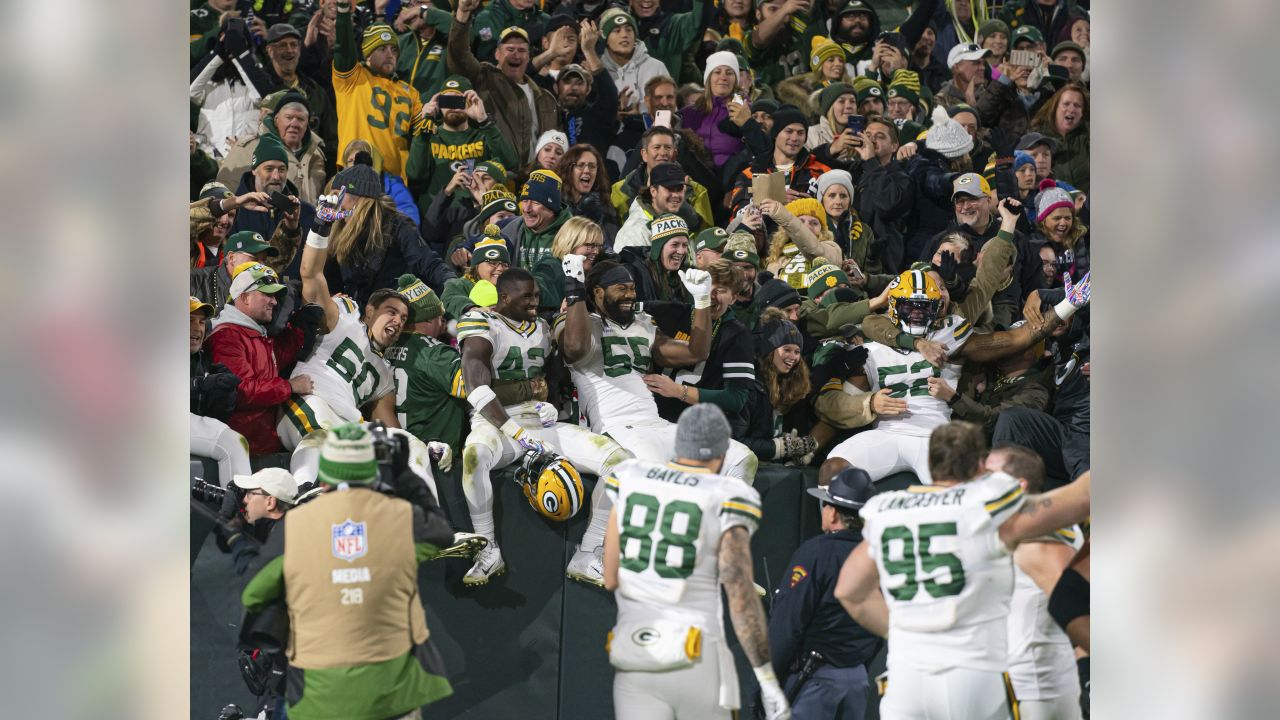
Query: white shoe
{"points": [[488, 564], [587, 567], [465, 545]]}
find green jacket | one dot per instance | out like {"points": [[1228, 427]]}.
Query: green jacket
{"points": [[1071, 160], [786, 56], [673, 41], [422, 63], [548, 272], [457, 297], [487, 24], [436, 155], [527, 246], [203, 169], [204, 31], [1029, 390]]}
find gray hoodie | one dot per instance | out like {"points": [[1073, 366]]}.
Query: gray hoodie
{"points": [[639, 70], [231, 315]]}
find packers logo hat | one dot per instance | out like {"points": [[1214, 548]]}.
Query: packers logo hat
{"points": [[712, 238], [198, 305], [743, 255], [513, 31], [971, 184], [254, 276], [455, 85], [247, 241], [375, 36]]}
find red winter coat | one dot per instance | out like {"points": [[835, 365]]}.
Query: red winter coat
{"points": [[240, 344]]}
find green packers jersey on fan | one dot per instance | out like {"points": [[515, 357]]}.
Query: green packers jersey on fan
{"points": [[610, 379], [945, 573], [430, 397], [520, 349], [346, 372], [670, 519]]}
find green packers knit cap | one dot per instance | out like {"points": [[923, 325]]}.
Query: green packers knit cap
{"points": [[713, 238], [493, 169], [663, 228], [864, 88], [906, 85], [215, 190], [455, 85], [491, 249], [375, 36], [702, 433], [269, 148], [423, 303], [347, 456], [1026, 32], [822, 49], [823, 278], [496, 201], [614, 18], [831, 93], [248, 241], [543, 187], [855, 6], [360, 180]]}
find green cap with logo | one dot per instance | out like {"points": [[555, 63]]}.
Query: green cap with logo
{"points": [[248, 277], [248, 241], [713, 238]]}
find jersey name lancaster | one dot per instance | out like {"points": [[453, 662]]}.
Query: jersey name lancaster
{"points": [[520, 349], [946, 575], [345, 371], [610, 379], [670, 519], [907, 375]]}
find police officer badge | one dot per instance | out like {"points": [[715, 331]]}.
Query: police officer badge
{"points": [[349, 540]]}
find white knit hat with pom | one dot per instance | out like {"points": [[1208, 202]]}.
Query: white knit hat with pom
{"points": [[947, 136]]}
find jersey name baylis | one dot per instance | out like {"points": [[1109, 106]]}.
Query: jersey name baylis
{"points": [[675, 477]]}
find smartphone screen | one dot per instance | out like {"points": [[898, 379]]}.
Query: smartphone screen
{"points": [[1025, 58], [857, 123]]}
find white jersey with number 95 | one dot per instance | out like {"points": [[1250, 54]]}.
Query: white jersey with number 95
{"points": [[946, 575]]}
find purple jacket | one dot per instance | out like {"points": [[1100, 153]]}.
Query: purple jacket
{"points": [[707, 126]]}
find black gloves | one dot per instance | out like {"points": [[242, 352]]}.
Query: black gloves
{"points": [[214, 395], [1000, 144], [947, 268], [849, 362], [308, 319], [592, 208]]}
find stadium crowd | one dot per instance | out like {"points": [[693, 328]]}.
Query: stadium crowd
{"points": [[533, 233]]}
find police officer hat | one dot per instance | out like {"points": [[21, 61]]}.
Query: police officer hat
{"points": [[850, 489]]}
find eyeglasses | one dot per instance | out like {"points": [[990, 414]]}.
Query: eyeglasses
{"points": [[585, 166], [968, 200], [263, 493]]}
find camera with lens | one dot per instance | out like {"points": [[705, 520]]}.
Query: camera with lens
{"points": [[392, 453], [207, 492]]}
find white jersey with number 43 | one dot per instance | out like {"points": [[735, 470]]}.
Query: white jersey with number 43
{"points": [[907, 374], [345, 371], [670, 519], [946, 575]]}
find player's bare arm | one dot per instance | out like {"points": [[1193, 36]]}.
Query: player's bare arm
{"points": [[858, 590], [575, 338], [1042, 514], [612, 551], [744, 607], [315, 289], [989, 347], [384, 409], [1043, 562], [476, 359]]}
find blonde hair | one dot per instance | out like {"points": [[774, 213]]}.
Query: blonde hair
{"points": [[778, 243], [575, 231], [355, 236], [784, 390]]}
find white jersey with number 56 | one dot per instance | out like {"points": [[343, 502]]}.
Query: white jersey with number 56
{"points": [[907, 375], [670, 519], [946, 575]]}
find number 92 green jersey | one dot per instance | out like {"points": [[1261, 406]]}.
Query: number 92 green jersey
{"points": [[946, 575], [670, 519]]}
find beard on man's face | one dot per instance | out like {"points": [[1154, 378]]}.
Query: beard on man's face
{"points": [[613, 308]]}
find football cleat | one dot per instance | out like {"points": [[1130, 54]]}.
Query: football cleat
{"points": [[587, 567], [551, 484], [915, 302], [488, 565], [465, 545]]}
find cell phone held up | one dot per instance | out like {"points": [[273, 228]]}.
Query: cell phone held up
{"points": [[1024, 58], [281, 202], [452, 101], [856, 123]]}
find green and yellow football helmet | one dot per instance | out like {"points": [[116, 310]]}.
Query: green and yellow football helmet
{"points": [[551, 484], [915, 302]]}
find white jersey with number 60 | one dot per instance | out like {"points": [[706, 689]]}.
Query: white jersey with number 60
{"points": [[670, 519], [946, 575], [907, 374]]}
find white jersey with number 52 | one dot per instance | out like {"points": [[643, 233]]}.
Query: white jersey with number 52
{"points": [[946, 575], [670, 519], [907, 374]]}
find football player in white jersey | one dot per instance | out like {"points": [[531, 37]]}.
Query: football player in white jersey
{"points": [[609, 347], [349, 374], [935, 576], [677, 532], [918, 304], [510, 342], [1042, 662]]}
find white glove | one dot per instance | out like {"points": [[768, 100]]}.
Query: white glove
{"points": [[1077, 296], [572, 266], [698, 283], [771, 695], [441, 454], [547, 414]]}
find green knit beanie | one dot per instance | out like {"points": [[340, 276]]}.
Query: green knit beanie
{"points": [[269, 148], [423, 303], [347, 456], [831, 93]]}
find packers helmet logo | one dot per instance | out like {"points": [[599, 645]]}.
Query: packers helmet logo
{"points": [[258, 238], [646, 636], [964, 180], [893, 92], [491, 254], [451, 84], [739, 254], [874, 91], [384, 36], [619, 20], [551, 484], [550, 502], [814, 60]]}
